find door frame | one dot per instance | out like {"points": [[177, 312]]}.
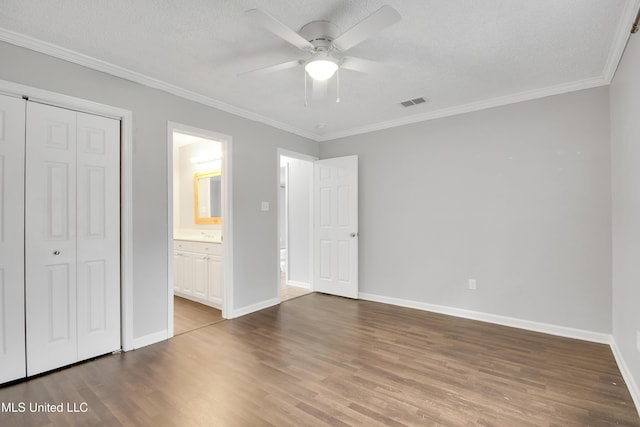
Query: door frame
{"points": [[227, 217], [126, 185], [300, 156]]}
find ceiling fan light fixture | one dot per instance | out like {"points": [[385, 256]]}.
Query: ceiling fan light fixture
{"points": [[321, 69]]}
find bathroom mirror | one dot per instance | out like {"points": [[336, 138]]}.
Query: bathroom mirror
{"points": [[208, 197]]}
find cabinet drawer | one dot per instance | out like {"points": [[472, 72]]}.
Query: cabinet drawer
{"points": [[198, 247], [207, 248], [182, 245]]}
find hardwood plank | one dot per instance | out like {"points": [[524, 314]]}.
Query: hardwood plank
{"points": [[189, 315], [323, 360]]}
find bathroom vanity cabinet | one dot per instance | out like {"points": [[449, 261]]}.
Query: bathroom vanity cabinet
{"points": [[197, 271]]}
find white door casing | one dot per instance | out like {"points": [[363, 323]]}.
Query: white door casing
{"points": [[12, 339], [336, 226], [72, 237], [50, 238]]}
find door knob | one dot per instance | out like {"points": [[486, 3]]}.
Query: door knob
{"points": [[353, 234], [56, 252]]}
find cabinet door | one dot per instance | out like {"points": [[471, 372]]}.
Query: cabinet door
{"points": [[182, 271], [186, 264], [200, 275], [98, 235], [177, 271], [50, 238], [215, 279], [12, 341]]}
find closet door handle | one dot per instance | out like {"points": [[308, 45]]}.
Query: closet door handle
{"points": [[56, 252]]}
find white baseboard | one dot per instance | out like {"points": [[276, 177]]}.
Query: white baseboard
{"points": [[153, 338], [493, 318], [634, 390], [254, 307], [299, 284]]}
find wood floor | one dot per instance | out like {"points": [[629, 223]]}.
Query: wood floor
{"points": [[323, 360], [189, 315]]}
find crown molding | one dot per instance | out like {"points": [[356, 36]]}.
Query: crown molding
{"points": [[106, 67], [620, 40], [468, 108], [84, 60]]}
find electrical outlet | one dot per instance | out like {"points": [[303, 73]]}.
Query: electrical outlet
{"points": [[472, 284], [264, 206]]}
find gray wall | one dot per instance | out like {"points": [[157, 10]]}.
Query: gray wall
{"points": [[300, 192], [254, 177], [625, 143], [517, 197]]}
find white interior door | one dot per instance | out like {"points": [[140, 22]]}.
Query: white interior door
{"points": [[98, 235], [72, 236], [336, 226], [50, 238], [12, 341]]}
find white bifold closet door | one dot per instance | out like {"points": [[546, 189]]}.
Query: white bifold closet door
{"points": [[72, 237], [12, 353]]}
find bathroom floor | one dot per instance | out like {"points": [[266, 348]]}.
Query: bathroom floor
{"points": [[288, 292], [190, 315]]}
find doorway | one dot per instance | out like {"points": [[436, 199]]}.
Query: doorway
{"points": [[199, 231], [317, 225], [295, 224]]}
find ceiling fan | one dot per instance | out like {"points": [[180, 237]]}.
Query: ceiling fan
{"points": [[323, 42]]}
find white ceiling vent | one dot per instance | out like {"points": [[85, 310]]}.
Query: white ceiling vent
{"points": [[412, 102]]}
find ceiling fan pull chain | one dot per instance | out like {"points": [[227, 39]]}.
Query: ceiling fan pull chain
{"points": [[305, 88], [338, 85]]}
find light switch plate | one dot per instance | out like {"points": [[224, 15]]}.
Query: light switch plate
{"points": [[265, 206]]}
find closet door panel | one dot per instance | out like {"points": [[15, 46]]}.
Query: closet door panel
{"points": [[98, 236], [50, 238], [12, 341]]}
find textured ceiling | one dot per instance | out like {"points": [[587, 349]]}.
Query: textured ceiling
{"points": [[459, 54]]}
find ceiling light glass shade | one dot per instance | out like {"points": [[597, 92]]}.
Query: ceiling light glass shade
{"points": [[321, 69]]}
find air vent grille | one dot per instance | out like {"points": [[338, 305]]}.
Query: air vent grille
{"points": [[412, 102]]}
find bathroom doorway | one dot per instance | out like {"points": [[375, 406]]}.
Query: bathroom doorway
{"points": [[198, 230], [295, 224]]}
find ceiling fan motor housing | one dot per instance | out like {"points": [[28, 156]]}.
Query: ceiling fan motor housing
{"points": [[320, 34]]}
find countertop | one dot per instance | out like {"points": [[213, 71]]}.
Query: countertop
{"points": [[197, 238]]}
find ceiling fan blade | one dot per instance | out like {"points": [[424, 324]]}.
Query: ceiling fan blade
{"points": [[363, 65], [369, 26], [271, 69], [271, 24]]}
